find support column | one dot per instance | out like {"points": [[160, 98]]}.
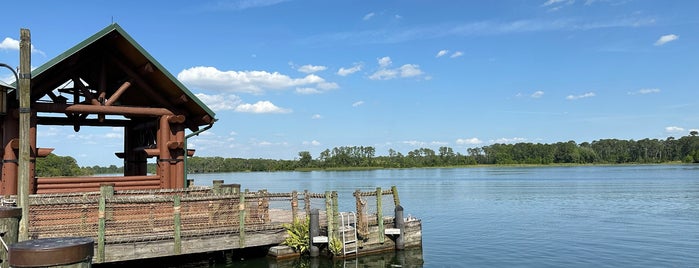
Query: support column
{"points": [[164, 157], [24, 118]]}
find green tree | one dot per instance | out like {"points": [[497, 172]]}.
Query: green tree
{"points": [[305, 159]]}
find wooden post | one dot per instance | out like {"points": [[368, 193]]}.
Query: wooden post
{"points": [[9, 227], [329, 213], [106, 192], [400, 225], [362, 221], [241, 208], [294, 205], [178, 224], [307, 203], [217, 186], [25, 60], [396, 200], [336, 213], [313, 231], [379, 214]]}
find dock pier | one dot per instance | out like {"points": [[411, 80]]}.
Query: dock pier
{"points": [[130, 225]]}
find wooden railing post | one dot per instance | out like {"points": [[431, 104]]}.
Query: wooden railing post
{"points": [[178, 224], [294, 205], [307, 203], [396, 200], [379, 213], [216, 188], [329, 214], [106, 192], [336, 213], [241, 208]]}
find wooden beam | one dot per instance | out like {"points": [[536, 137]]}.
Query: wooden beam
{"points": [[100, 110], [118, 93], [62, 121], [137, 78]]}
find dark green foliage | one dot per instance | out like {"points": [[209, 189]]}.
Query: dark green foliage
{"points": [[604, 151], [55, 166]]}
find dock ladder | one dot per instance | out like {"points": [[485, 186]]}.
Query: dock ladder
{"points": [[348, 231]]}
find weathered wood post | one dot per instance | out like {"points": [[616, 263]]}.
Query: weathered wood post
{"points": [[63, 252], [241, 224], [294, 206], [314, 230], [177, 221], [25, 59], [336, 214], [329, 214], [217, 186], [379, 213], [400, 225], [307, 203], [106, 192], [235, 188], [9, 230], [362, 220], [396, 200]]}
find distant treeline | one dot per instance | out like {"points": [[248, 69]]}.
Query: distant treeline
{"points": [[605, 151]]}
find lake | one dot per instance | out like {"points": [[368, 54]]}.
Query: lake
{"points": [[582, 216]]}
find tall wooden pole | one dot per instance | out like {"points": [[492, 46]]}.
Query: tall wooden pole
{"points": [[25, 59]]}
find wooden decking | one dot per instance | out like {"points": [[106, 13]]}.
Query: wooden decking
{"points": [[132, 225]]}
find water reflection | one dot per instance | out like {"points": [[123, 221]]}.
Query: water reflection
{"points": [[405, 258]]}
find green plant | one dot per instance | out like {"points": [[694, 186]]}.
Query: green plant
{"points": [[298, 238], [335, 246]]}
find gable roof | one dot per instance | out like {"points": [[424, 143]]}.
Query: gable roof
{"points": [[107, 59]]}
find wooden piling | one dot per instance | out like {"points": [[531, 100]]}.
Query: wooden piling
{"points": [[24, 91], [106, 191], [241, 224], [379, 213], [307, 203], [336, 213], [9, 230], [400, 225], [178, 225], [217, 186], [294, 205], [329, 214], [396, 200]]}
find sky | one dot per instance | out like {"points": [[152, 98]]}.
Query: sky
{"points": [[285, 76]]}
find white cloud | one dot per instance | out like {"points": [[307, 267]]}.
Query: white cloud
{"points": [[410, 70], [308, 90], [254, 82], [347, 71], [469, 141], [358, 103], [316, 116], [674, 129], [442, 53], [509, 140], [456, 54], [385, 73], [666, 39], [369, 16], [12, 44], [384, 62], [313, 143], [645, 91], [551, 2], [537, 94], [243, 4], [582, 96], [261, 107], [311, 68], [222, 102]]}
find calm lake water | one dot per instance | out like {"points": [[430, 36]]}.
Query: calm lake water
{"points": [[587, 216]]}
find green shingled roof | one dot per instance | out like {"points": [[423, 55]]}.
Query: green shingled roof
{"points": [[115, 45]]}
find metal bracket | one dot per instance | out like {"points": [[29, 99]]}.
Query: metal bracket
{"points": [[23, 110], [25, 76]]}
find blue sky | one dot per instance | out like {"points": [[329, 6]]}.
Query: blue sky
{"points": [[290, 76]]}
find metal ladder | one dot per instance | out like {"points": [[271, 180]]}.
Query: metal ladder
{"points": [[348, 231]]}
